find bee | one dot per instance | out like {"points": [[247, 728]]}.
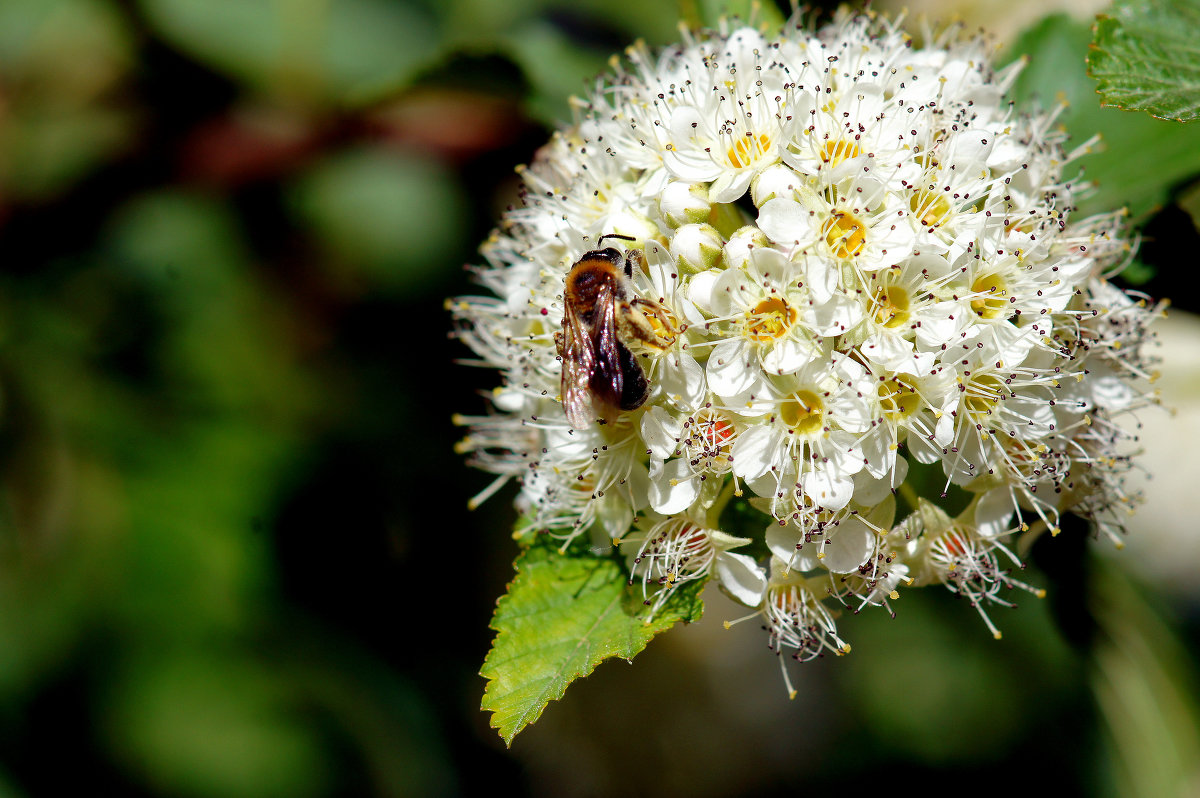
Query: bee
{"points": [[602, 316]]}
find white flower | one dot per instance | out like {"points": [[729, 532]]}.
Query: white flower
{"points": [[679, 549], [834, 254], [953, 552]]}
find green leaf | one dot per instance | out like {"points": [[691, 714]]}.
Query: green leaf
{"points": [[1140, 159], [562, 616], [1146, 57]]}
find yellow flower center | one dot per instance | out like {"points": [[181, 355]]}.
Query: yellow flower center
{"points": [[899, 396], [834, 152], [747, 149], [665, 331], [772, 318], [804, 412], [982, 394], [891, 306], [845, 233], [931, 208], [992, 299]]}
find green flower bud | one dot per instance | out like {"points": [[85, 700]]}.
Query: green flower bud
{"points": [[696, 247]]}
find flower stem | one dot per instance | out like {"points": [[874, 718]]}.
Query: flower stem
{"points": [[718, 505], [909, 494]]}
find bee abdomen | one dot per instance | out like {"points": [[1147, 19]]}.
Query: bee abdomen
{"points": [[634, 388]]}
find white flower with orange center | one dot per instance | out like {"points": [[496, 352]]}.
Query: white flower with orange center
{"points": [[679, 549]]}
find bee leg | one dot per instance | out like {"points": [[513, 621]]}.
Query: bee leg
{"points": [[661, 313], [641, 326], [632, 256]]}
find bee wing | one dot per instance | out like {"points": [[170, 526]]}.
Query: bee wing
{"points": [[578, 361], [608, 373]]}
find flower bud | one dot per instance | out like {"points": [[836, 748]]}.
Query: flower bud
{"points": [[684, 203], [738, 247], [696, 247], [774, 181], [630, 223]]}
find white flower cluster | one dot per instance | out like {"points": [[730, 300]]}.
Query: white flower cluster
{"points": [[853, 254]]}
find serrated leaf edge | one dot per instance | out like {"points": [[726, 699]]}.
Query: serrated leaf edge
{"points": [[489, 664], [1103, 84]]}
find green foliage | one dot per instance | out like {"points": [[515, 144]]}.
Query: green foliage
{"points": [[1146, 57], [310, 51], [389, 214], [709, 12], [1146, 690], [1140, 159], [563, 615], [955, 679], [58, 118], [214, 721]]}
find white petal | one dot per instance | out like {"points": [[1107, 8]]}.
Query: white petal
{"points": [[730, 185], [1002, 341], [788, 355], [924, 450], [894, 353], [850, 544], [700, 288], [673, 486], [821, 278], [879, 454], [728, 292], [782, 540], [870, 490], [770, 263], [682, 380], [828, 488], [660, 430], [567, 445], [1110, 392], [787, 222], [661, 267], [752, 452], [731, 368], [836, 316], [613, 514], [941, 323], [852, 412], [994, 512], [742, 578], [943, 432]]}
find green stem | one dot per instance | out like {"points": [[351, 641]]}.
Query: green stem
{"points": [[909, 494], [718, 506]]}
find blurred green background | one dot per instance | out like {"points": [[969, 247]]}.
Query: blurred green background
{"points": [[235, 556]]}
